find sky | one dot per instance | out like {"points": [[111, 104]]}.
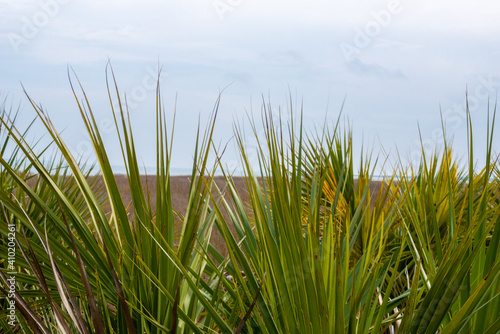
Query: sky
{"points": [[396, 66]]}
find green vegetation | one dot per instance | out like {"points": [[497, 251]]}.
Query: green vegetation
{"points": [[312, 251]]}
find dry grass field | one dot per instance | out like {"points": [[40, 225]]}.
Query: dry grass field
{"points": [[180, 194]]}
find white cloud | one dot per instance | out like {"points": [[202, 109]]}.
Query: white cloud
{"points": [[267, 45], [360, 68]]}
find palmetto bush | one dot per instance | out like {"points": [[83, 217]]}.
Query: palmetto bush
{"points": [[315, 250]]}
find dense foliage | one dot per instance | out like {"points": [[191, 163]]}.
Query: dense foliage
{"points": [[315, 249]]}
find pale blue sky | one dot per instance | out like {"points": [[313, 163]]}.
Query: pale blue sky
{"points": [[397, 63]]}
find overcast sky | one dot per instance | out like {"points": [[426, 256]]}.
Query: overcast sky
{"points": [[398, 64]]}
